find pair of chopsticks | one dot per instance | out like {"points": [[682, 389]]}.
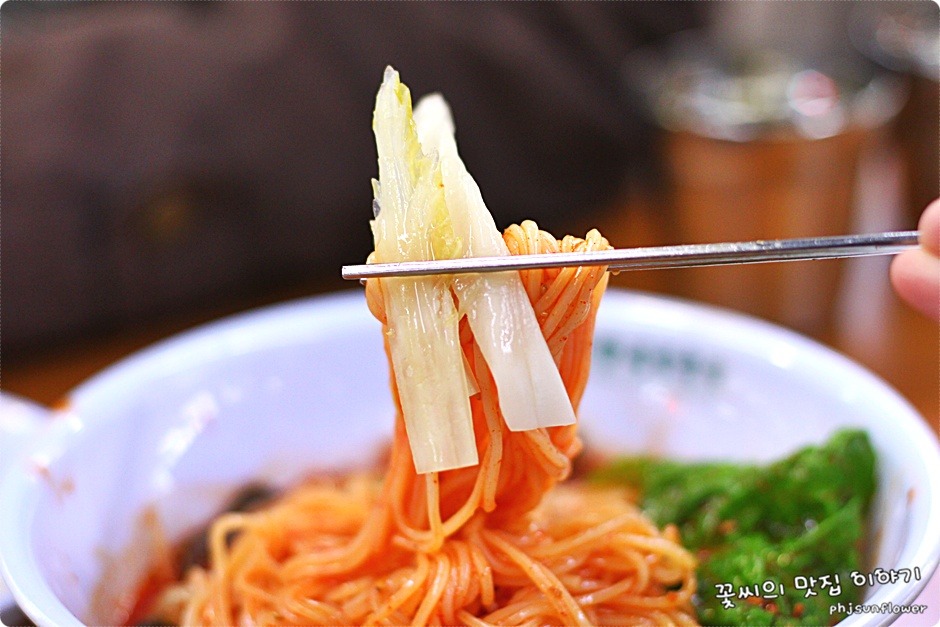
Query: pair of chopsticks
{"points": [[685, 256]]}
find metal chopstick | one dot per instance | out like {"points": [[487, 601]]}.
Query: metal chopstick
{"points": [[684, 256]]}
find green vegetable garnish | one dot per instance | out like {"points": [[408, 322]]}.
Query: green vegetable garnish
{"points": [[803, 516]]}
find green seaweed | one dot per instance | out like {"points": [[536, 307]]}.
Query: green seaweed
{"points": [[800, 517]]}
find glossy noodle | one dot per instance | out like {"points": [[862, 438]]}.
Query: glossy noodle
{"points": [[497, 543], [484, 533]]}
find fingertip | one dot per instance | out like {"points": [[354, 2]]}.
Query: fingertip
{"points": [[915, 275], [929, 227]]}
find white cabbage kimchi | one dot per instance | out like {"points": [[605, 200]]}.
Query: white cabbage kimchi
{"points": [[429, 207]]}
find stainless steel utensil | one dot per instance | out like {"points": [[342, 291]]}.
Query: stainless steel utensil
{"points": [[684, 256]]}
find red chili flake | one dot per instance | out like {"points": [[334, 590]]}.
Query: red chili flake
{"points": [[798, 610], [66, 486], [41, 468], [755, 600], [771, 607]]}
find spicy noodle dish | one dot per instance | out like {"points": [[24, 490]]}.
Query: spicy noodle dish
{"points": [[478, 518]]}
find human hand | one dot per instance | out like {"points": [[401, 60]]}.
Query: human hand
{"points": [[915, 273]]}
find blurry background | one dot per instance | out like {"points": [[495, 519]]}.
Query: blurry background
{"points": [[165, 163]]}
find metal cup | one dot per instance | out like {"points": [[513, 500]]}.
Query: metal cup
{"points": [[763, 146]]}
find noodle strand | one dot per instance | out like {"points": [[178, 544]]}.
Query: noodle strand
{"points": [[498, 543]]}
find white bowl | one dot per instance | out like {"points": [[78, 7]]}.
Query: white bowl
{"points": [[281, 392]]}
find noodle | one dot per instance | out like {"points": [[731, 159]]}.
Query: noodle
{"points": [[489, 544]]}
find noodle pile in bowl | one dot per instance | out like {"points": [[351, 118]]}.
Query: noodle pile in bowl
{"points": [[498, 543], [487, 536]]}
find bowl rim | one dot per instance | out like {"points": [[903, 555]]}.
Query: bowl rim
{"points": [[18, 496]]}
